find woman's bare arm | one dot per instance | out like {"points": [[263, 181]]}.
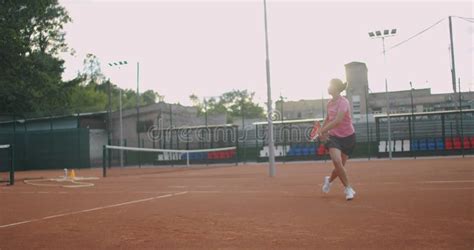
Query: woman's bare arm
{"points": [[328, 126]]}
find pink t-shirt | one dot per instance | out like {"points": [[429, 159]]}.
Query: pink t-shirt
{"points": [[345, 128]]}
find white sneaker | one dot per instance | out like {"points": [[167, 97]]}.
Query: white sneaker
{"points": [[326, 185], [350, 193]]}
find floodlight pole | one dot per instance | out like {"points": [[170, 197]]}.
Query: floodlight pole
{"points": [[379, 34], [460, 114], [412, 129], [244, 153], [138, 112], [453, 66], [121, 127], [112, 64], [366, 92], [271, 149], [388, 101], [282, 126], [205, 111]]}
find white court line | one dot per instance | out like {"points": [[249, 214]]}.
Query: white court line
{"points": [[458, 181], [461, 188], [206, 192], [93, 209], [93, 193], [419, 182]]}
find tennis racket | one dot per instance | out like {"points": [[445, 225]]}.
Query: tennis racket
{"points": [[313, 136]]}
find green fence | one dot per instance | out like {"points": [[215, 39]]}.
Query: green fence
{"points": [[49, 149]]}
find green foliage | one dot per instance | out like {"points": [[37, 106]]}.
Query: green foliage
{"points": [[234, 103], [148, 97], [92, 94], [87, 98], [31, 38], [30, 73]]}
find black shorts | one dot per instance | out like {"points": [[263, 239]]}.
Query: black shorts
{"points": [[345, 144]]}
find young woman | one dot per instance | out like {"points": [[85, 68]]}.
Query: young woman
{"points": [[338, 134]]}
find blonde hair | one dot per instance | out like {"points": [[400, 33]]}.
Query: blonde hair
{"points": [[339, 84]]}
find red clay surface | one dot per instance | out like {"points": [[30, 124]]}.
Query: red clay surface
{"points": [[400, 204]]}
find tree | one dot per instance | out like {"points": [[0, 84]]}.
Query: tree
{"points": [[231, 103], [92, 92], [31, 39], [46, 31], [30, 71], [238, 101], [149, 97], [92, 72], [87, 98]]}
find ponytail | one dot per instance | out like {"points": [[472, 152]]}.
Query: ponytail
{"points": [[344, 86], [341, 86]]}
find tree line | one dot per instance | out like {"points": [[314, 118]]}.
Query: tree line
{"points": [[31, 42]]}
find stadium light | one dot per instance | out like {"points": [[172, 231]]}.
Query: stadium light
{"points": [[378, 34]]}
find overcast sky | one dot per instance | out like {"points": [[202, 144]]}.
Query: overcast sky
{"points": [[209, 47]]}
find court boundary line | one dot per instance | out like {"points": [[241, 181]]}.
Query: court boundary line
{"points": [[362, 159], [94, 209]]}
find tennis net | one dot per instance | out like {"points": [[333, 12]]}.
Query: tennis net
{"points": [[7, 173], [130, 160]]}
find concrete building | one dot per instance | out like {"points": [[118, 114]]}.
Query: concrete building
{"points": [[163, 116], [357, 89], [364, 102], [302, 109]]}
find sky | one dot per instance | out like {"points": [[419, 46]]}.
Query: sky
{"points": [[211, 47]]}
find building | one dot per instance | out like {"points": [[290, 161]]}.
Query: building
{"points": [[302, 109], [160, 116], [55, 141], [358, 88], [365, 102], [423, 101]]}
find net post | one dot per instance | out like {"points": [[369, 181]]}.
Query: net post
{"points": [[12, 165], [12, 168], [410, 133], [236, 129], [139, 154], [125, 153], [104, 156], [256, 143], [187, 159], [443, 133], [236, 158]]}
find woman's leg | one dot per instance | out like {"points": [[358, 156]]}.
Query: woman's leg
{"points": [[336, 157], [344, 159], [334, 175]]}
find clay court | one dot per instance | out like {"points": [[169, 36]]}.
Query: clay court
{"points": [[400, 204]]}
